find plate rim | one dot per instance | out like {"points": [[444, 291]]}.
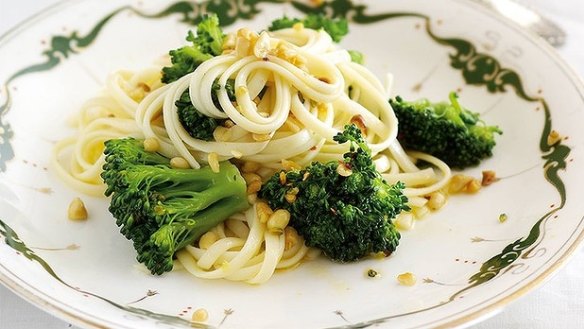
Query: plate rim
{"points": [[17, 286]]}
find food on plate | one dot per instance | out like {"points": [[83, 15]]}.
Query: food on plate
{"points": [[248, 152], [446, 130]]}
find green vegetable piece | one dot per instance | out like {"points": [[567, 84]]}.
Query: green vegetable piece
{"points": [[162, 209], [357, 57], [347, 217], [445, 130], [196, 123], [209, 37], [336, 28], [207, 43]]}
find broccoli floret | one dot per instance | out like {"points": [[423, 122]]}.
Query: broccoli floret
{"points": [[347, 217], [445, 130], [229, 87], [207, 43], [196, 123], [336, 28], [210, 36], [162, 209]]}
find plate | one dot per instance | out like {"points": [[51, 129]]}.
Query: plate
{"points": [[468, 264]]}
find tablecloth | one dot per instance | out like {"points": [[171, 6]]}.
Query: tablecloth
{"points": [[558, 304]]}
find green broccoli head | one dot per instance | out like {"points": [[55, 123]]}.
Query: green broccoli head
{"points": [[347, 217], [336, 28], [162, 209], [196, 123], [445, 130], [207, 43], [209, 37]]}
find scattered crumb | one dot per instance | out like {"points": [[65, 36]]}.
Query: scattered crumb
{"points": [[77, 210], [406, 279]]}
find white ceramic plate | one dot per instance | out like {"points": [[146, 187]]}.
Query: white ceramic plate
{"points": [[468, 264]]}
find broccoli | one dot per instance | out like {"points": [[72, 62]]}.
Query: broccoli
{"points": [[196, 123], [445, 130], [207, 43], [336, 28], [347, 216], [162, 209]]}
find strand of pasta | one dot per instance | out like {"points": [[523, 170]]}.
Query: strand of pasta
{"points": [[242, 258]]}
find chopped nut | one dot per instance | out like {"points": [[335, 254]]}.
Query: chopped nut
{"points": [[405, 221], [298, 26], [228, 124], [436, 200], [250, 167], [222, 134], [553, 137], [200, 315], [213, 160], [343, 170], [245, 42], [291, 195], [151, 145], [250, 177], [290, 165], [283, 177], [359, 122], [254, 187], [262, 46], [252, 198], [263, 211], [290, 198], [305, 176], [229, 42], [473, 187], [278, 221], [458, 183], [420, 212], [179, 163], [489, 177], [406, 279], [77, 210]]}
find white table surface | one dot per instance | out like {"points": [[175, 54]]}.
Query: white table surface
{"points": [[558, 304]]}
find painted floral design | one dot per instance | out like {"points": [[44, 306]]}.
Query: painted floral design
{"points": [[478, 69]]}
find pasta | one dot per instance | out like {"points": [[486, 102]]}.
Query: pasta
{"points": [[295, 89]]}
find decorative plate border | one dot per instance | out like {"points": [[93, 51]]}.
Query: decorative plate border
{"points": [[477, 69]]}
